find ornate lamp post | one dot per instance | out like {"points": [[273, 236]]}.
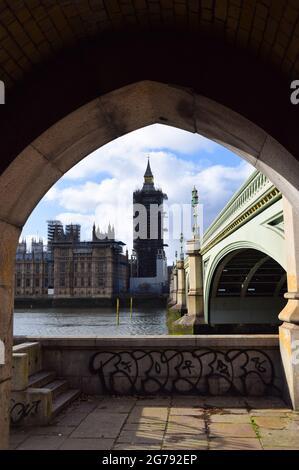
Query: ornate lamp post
{"points": [[181, 242], [194, 202]]}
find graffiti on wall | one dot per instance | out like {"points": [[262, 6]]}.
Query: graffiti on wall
{"points": [[237, 371], [20, 410]]}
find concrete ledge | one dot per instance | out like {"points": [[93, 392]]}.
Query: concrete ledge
{"points": [[133, 342], [205, 365]]}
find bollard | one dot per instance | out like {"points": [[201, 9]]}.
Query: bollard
{"points": [[131, 307], [117, 311]]}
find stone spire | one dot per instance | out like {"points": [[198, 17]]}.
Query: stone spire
{"points": [[148, 177]]}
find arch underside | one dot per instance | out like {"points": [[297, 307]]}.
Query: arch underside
{"points": [[205, 65], [248, 286]]}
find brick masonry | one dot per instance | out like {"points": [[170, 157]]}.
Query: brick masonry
{"points": [[34, 30]]}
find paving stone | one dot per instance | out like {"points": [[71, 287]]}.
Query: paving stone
{"points": [[17, 437], [52, 430], [148, 412], [188, 400], [271, 422], [116, 408], [71, 419], [85, 406], [182, 432], [292, 425], [145, 426], [100, 425], [231, 429], [188, 443], [182, 411], [176, 423], [126, 446], [186, 446], [230, 418], [232, 411], [193, 423], [234, 443], [141, 437], [154, 401], [273, 439], [225, 402], [269, 412], [87, 444], [42, 443]]}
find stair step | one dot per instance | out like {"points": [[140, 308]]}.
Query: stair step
{"points": [[40, 379], [63, 400], [57, 387]]}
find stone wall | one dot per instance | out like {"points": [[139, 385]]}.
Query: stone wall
{"points": [[208, 365]]}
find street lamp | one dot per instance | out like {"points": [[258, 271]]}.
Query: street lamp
{"points": [[194, 202], [182, 252]]}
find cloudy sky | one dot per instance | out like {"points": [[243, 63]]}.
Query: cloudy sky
{"points": [[99, 188]]}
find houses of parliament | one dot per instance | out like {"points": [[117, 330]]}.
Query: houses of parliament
{"points": [[68, 268]]}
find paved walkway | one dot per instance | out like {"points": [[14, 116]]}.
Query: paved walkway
{"points": [[166, 423]]}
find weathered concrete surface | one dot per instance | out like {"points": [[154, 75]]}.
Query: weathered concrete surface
{"points": [[20, 371], [289, 349], [8, 240], [289, 331], [291, 222], [204, 364], [173, 422]]}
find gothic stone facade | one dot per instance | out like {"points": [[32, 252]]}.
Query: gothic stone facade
{"points": [[33, 270], [90, 269], [148, 241]]}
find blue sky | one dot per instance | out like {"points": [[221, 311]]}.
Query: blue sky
{"points": [[100, 187]]}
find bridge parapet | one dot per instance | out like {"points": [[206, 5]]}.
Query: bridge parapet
{"points": [[255, 195]]}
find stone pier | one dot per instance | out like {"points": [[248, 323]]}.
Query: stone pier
{"points": [[195, 313], [180, 304], [289, 330], [9, 236]]}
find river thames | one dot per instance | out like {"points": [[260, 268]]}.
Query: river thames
{"points": [[93, 322]]}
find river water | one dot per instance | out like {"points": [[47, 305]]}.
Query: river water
{"points": [[85, 322]]}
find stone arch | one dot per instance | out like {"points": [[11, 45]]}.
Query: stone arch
{"points": [[246, 286], [224, 254], [38, 166], [117, 113]]}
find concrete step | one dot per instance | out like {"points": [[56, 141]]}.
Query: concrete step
{"points": [[63, 400], [40, 379], [57, 387], [34, 355]]}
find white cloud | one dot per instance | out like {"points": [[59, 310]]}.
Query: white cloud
{"points": [[111, 199], [127, 153], [100, 188]]}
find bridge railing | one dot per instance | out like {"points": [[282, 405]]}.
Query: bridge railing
{"points": [[253, 190]]}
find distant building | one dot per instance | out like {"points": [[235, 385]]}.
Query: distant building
{"points": [[68, 267], [148, 263], [96, 268], [32, 270]]}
